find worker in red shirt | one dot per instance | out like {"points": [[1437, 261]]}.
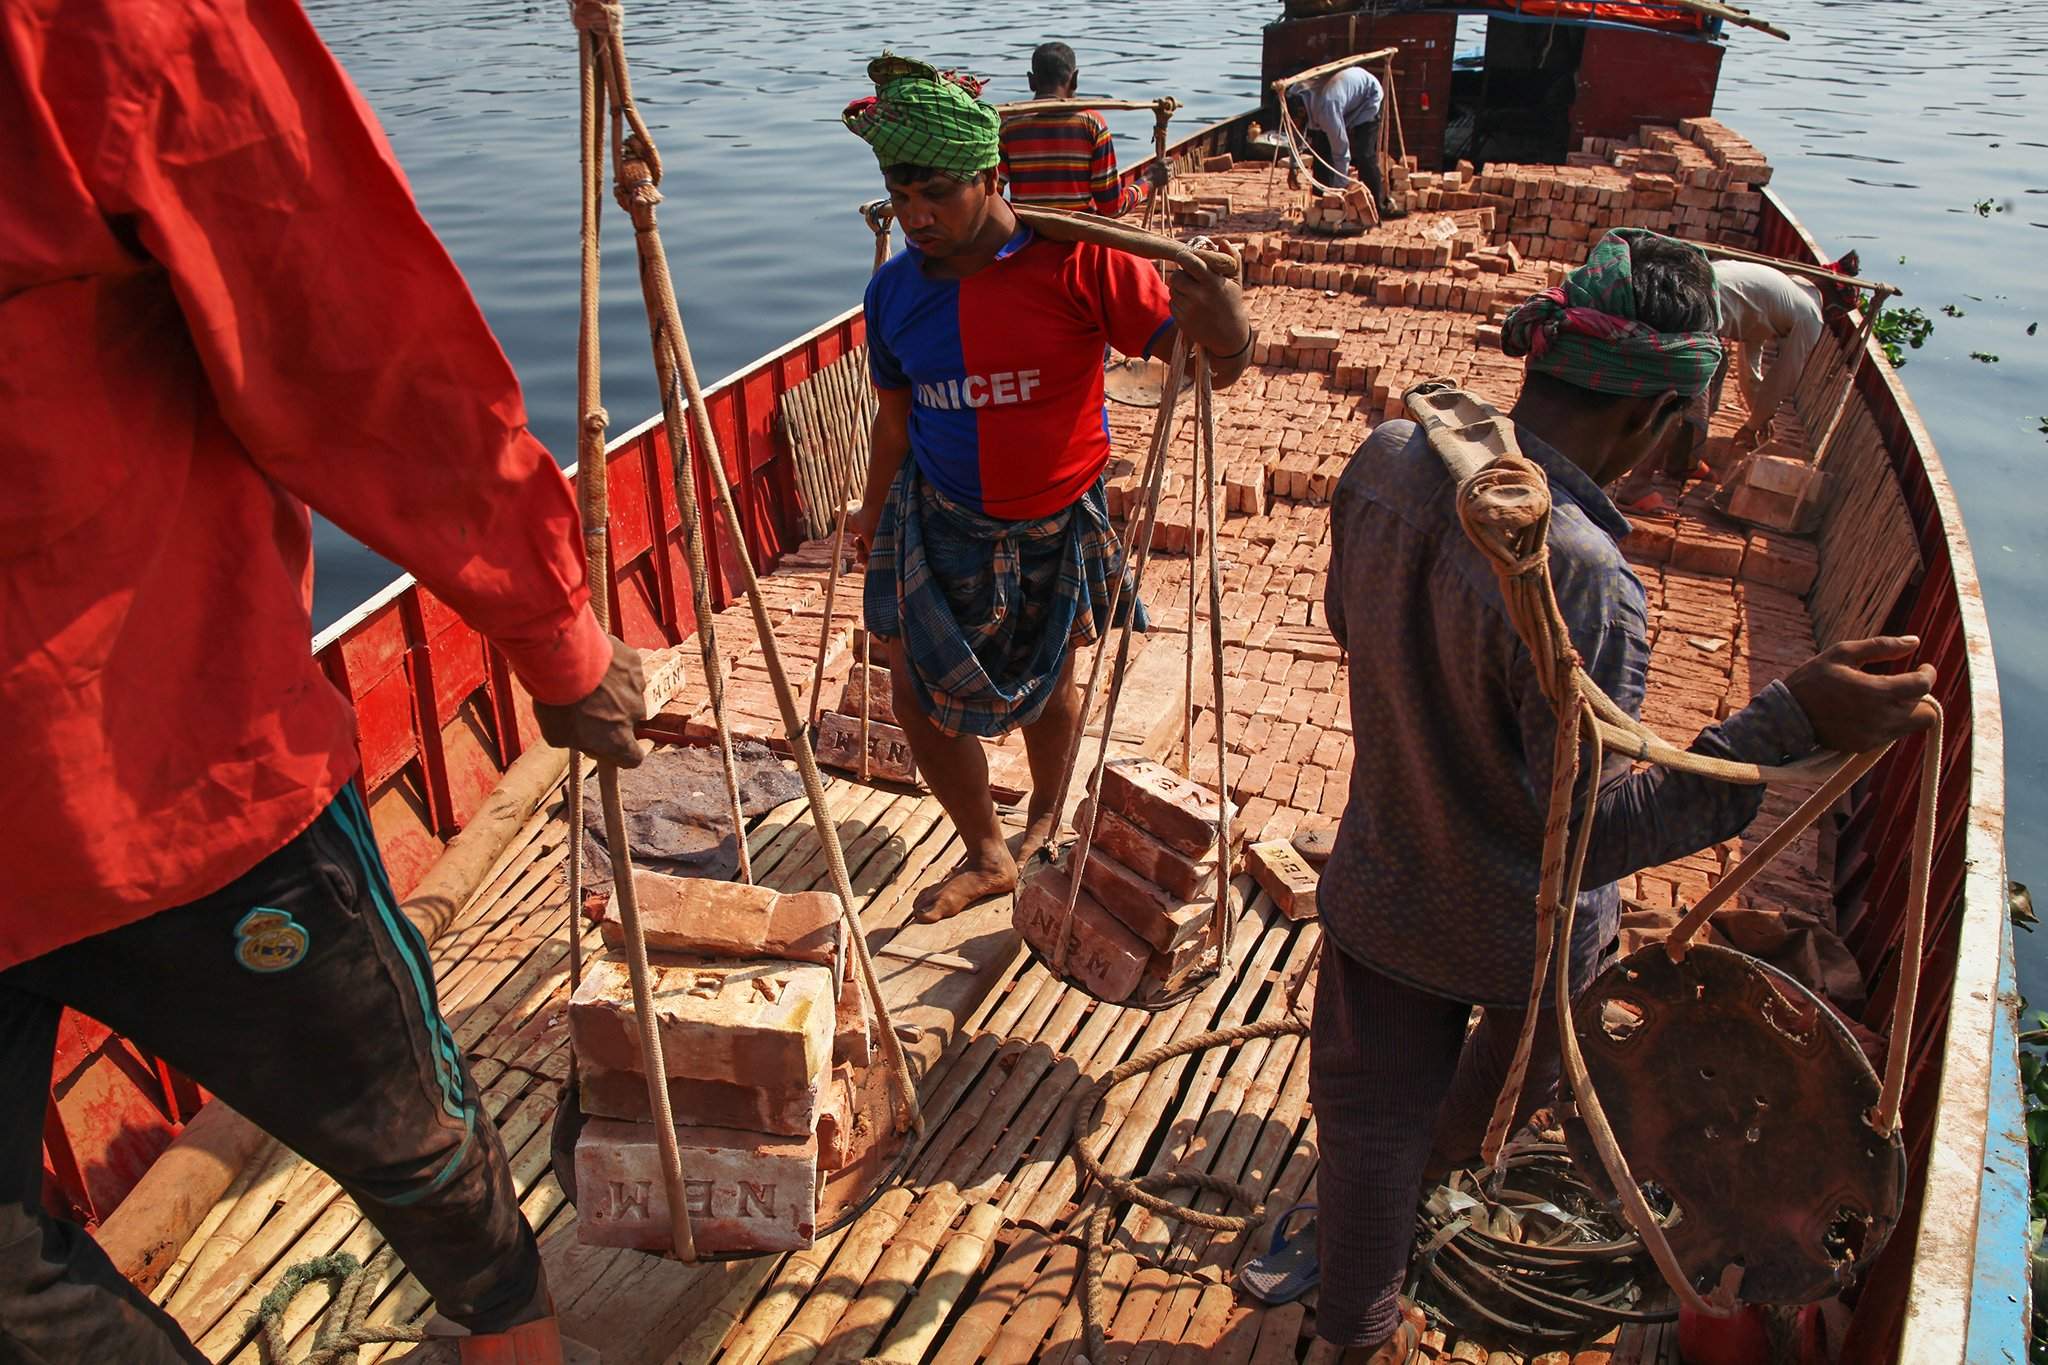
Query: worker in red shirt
{"points": [[219, 306], [1065, 159], [989, 548]]}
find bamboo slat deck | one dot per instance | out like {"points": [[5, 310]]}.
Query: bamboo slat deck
{"points": [[974, 1257]]}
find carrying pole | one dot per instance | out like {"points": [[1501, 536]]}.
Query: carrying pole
{"points": [[593, 497], [638, 187]]}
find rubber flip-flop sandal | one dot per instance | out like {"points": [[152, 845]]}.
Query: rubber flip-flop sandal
{"points": [[1649, 504], [1290, 1267]]}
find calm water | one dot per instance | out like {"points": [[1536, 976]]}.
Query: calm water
{"points": [[1890, 122]]}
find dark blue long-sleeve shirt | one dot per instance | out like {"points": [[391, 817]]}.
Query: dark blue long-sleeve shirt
{"points": [[1434, 875]]}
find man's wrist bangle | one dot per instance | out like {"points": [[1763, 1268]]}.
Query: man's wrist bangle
{"points": [[1251, 334]]}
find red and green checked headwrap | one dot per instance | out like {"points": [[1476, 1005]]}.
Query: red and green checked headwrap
{"points": [[921, 116], [1585, 331]]}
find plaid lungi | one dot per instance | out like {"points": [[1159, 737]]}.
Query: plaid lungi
{"points": [[988, 609]]}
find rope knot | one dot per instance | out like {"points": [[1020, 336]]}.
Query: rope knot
{"points": [[596, 16], [596, 420], [637, 184], [637, 198]]}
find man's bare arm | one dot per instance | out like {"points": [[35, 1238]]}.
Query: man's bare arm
{"points": [[888, 444]]}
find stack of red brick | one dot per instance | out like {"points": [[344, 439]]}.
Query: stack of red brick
{"points": [[1338, 211], [1144, 923], [764, 1044], [1698, 180], [867, 707]]}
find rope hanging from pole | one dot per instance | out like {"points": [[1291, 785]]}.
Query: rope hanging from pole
{"points": [[1139, 553], [598, 85], [606, 99], [638, 177]]}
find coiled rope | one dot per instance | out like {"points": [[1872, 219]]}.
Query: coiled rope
{"points": [[343, 1332], [1147, 1191]]}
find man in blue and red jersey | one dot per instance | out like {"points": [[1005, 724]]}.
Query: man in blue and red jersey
{"points": [[990, 552], [1064, 159]]}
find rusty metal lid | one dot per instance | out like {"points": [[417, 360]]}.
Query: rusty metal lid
{"points": [[1741, 1103]]}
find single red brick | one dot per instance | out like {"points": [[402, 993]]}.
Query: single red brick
{"points": [[763, 1024], [1162, 920], [1172, 810], [789, 1110], [747, 1191], [731, 919], [1707, 552], [1104, 956], [889, 756], [879, 692], [1286, 876]]}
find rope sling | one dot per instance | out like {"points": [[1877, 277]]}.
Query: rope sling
{"points": [[611, 123]]}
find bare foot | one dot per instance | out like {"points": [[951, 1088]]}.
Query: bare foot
{"points": [[972, 880], [1039, 828]]}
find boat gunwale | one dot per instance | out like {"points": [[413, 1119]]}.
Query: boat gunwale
{"points": [[1942, 1308], [1943, 1314]]}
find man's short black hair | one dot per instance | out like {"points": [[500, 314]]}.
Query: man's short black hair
{"points": [[1674, 286], [1052, 66]]}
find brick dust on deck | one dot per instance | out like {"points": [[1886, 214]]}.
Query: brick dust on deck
{"points": [[974, 1258]]}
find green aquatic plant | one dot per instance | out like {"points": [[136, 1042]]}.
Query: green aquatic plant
{"points": [[1984, 357], [1900, 330], [1953, 311]]}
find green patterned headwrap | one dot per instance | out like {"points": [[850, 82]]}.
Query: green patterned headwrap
{"points": [[921, 116], [1586, 332]]}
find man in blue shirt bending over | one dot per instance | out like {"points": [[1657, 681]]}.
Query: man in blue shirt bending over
{"points": [[1344, 107]]}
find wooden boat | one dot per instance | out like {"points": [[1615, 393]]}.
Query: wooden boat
{"points": [[975, 1256]]}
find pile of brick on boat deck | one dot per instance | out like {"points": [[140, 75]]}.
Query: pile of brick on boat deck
{"points": [[1145, 915], [763, 1039], [1699, 181]]}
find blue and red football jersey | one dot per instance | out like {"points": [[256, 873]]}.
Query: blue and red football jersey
{"points": [[1004, 367]]}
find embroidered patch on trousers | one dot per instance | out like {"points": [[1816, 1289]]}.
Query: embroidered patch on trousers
{"points": [[269, 940]]}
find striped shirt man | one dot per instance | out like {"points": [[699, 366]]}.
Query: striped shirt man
{"points": [[1065, 161]]}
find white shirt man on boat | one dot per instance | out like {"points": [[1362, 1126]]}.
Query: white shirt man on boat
{"points": [[1762, 305], [1344, 108]]}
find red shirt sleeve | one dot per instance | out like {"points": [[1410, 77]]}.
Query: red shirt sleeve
{"points": [[1127, 294], [339, 339]]}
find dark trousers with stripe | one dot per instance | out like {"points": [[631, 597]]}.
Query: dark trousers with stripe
{"points": [[303, 998], [1365, 157], [1400, 1088]]}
